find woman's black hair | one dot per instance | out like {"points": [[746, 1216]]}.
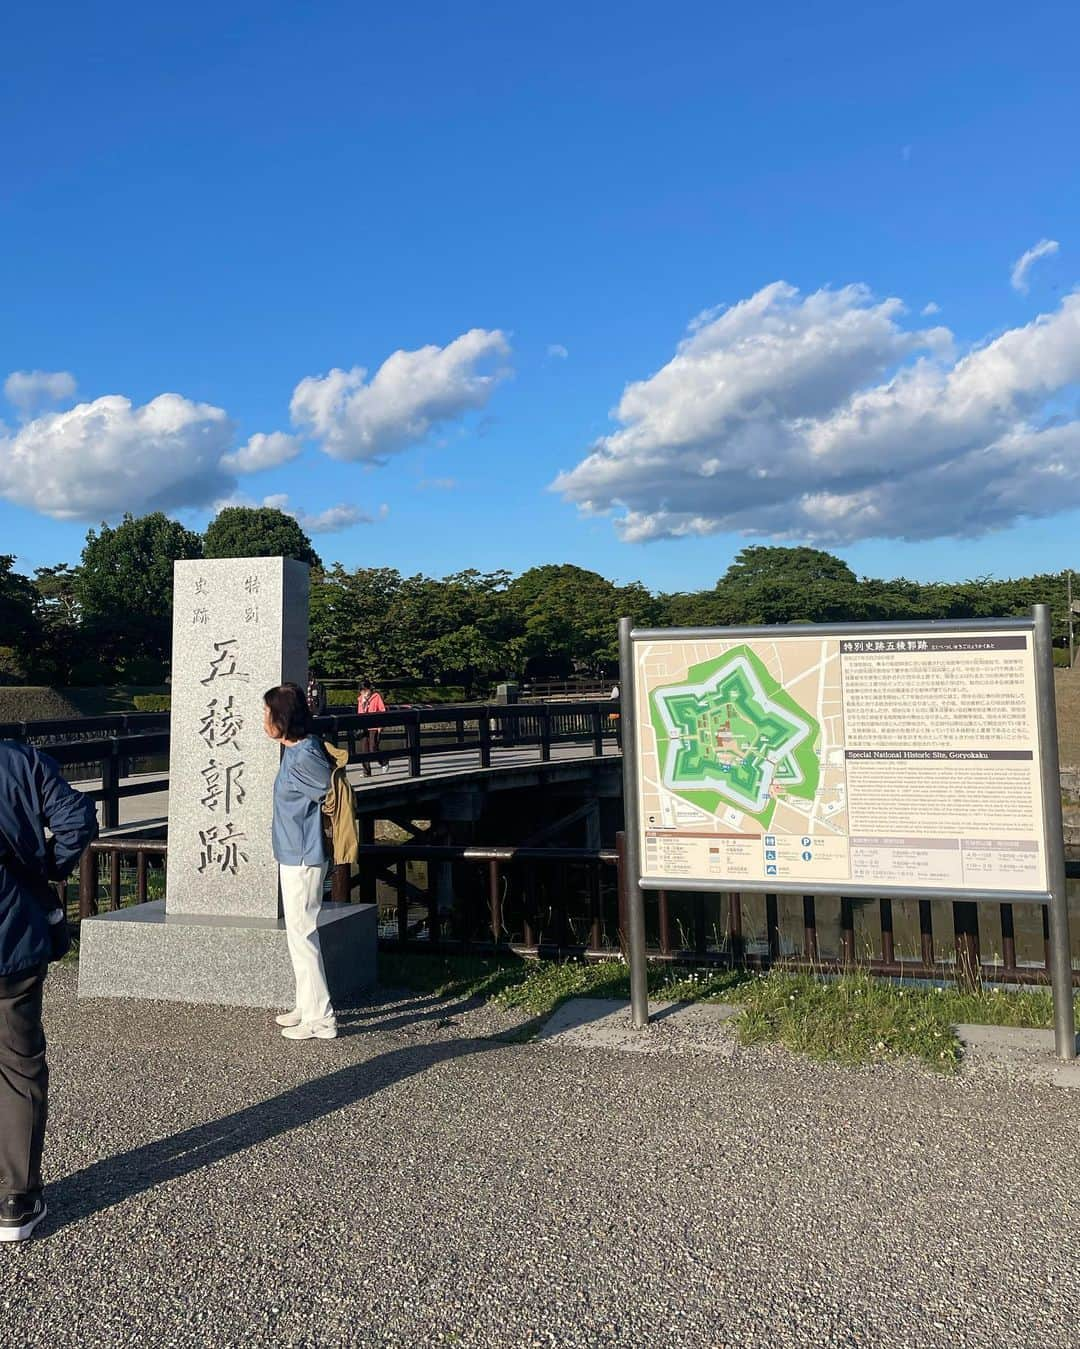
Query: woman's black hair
{"points": [[290, 715]]}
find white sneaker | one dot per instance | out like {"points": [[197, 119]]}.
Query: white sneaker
{"points": [[386, 768], [288, 1018], [311, 1030]]}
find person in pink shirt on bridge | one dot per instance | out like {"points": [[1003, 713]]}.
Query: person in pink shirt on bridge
{"points": [[368, 741]]}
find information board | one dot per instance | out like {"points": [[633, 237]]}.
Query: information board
{"points": [[821, 759]]}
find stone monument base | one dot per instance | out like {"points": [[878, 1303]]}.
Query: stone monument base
{"points": [[234, 962]]}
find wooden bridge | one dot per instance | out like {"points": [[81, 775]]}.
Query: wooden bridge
{"points": [[424, 755]]}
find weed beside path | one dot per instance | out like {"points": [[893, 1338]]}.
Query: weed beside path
{"points": [[852, 1018], [858, 1019]]}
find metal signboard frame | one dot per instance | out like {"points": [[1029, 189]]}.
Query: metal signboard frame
{"points": [[1038, 625]]}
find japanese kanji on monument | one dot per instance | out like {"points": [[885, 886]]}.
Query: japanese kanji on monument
{"points": [[231, 642], [239, 628]]}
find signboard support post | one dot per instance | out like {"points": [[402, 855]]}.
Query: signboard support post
{"points": [[1060, 942], [635, 904]]}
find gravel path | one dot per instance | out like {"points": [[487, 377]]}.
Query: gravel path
{"points": [[418, 1182]]}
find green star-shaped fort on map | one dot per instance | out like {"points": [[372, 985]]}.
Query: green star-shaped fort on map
{"points": [[729, 735]]}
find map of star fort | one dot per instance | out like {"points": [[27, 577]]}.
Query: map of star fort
{"points": [[817, 759]]}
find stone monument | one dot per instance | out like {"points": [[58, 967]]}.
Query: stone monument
{"points": [[239, 628]]}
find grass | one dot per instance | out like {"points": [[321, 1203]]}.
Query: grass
{"points": [[852, 1018], [540, 986], [858, 1019]]}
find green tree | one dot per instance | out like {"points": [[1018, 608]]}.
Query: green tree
{"points": [[63, 641], [572, 614], [460, 630], [354, 629], [786, 585], [124, 590], [257, 531], [786, 566], [20, 628]]}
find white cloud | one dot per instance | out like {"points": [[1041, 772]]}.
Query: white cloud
{"points": [[101, 458], [410, 394], [31, 390], [822, 417], [261, 452], [557, 351], [932, 308], [437, 484], [1043, 249], [330, 521]]}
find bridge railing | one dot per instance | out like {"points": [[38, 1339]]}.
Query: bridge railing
{"points": [[70, 730], [414, 733], [114, 750], [570, 902]]}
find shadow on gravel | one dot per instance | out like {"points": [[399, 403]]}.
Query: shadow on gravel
{"points": [[441, 1011], [117, 1178]]}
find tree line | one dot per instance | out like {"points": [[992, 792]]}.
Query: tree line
{"points": [[108, 619]]}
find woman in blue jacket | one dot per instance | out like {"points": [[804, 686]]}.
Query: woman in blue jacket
{"points": [[301, 784]]}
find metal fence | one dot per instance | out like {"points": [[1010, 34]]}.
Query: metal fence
{"points": [[570, 902]]}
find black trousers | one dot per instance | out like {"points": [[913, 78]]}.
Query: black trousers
{"points": [[24, 1081], [367, 742]]}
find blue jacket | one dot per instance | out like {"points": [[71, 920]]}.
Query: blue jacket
{"points": [[34, 796], [299, 790]]}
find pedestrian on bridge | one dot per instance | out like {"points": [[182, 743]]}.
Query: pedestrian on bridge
{"points": [[33, 930], [368, 740], [300, 788], [316, 695]]}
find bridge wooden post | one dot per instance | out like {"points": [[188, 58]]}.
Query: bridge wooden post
{"points": [[1008, 937], [88, 906], [529, 933], [701, 936], [620, 883], [401, 888], [966, 928], [341, 883], [926, 933], [888, 947], [412, 737], [367, 889], [665, 922], [736, 944], [810, 942], [847, 932], [434, 920], [485, 737], [772, 927], [110, 786]]}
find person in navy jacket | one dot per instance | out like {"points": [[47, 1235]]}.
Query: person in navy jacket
{"points": [[45, 826]]}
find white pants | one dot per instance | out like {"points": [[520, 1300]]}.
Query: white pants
{"points": [[301, 897]]}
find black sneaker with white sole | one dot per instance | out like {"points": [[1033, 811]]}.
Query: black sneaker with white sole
{"points": [[20, 1214]]}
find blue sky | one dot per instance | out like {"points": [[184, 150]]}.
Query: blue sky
{"points": [[219, 202]]}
